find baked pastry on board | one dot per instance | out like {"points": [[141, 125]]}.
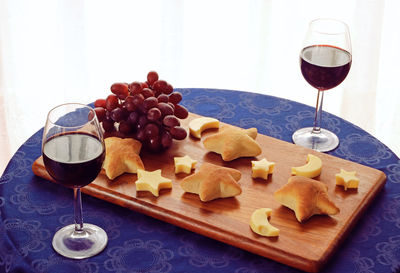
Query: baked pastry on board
{"points": [[232, 142], [122, 156], [212, 181], [306, 197]]}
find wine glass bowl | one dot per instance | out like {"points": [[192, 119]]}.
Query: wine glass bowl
{"points": [[325, 61], [73, 153]]}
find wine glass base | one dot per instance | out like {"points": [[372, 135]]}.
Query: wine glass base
{"points": [[80, 245], [324, 141]]}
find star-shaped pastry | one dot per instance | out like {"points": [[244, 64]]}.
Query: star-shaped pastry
{"points": [[122, 156], [212, 182], [232, 142], [347, 179], [184, 164], [262, 168], [152, 182], [306, 197]]}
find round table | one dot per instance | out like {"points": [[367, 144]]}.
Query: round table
{"points": [[32, 210]]}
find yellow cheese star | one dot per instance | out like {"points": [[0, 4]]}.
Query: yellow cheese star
{"points": [[347, 179], [262, 168], [152, 181], [184, 164]]}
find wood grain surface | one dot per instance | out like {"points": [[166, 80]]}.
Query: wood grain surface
{"points": [[306, 246]]}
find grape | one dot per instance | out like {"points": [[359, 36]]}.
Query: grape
{"points": [[100, 103], [162, 98], [144, 85], [180, 111], [108, 125], [125, 127], [108, 116], [100, 113], [147, 92], [120, 89], [171, 121], [117, 114], [129, 104], [154, 143], [142, 121], [151, 130], [138, 99], [165, 108], [135, 88], [172, 105], [141, 110], [153, 114], [160, 86], [166, 139], [178, 133], [140, 135], [112, 102], [150, 102], [133, 118], [157, 93], [152, 76], [168, 89], [175, 97]]}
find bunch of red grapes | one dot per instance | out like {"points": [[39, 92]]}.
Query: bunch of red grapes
{"points": [[149, 111]]}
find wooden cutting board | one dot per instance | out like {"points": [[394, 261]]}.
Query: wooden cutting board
{"points": [[306, 246]]}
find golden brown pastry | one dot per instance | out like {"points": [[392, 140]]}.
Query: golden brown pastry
{"points": [[306, 197], [122, 156], [231, 143], [212, 182]]}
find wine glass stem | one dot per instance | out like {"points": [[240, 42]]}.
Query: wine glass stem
{"points": [[318, 113], [78, 210]]}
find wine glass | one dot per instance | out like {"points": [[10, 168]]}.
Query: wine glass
{"points": [[325, 61], [73, 153]]}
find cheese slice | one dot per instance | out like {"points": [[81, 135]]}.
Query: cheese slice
{"points": [[198, 125], [259, 223], [311, 169]]}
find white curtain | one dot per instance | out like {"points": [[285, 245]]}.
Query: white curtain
{"points": [[54, 51]]}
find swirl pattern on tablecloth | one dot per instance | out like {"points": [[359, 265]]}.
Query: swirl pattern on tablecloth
{"points": [[389, 252], [363, 149], [391, 211], [394, 172], [200, 253], [216, 107], [20, 166], [263, 105], [28, 236], [306, 119], [27, 202], [265, 126], [153, 257], [56, 263]]}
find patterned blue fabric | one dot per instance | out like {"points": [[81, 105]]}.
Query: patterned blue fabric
{"points": [[32, 209]]}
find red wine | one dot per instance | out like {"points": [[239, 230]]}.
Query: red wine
{"points": [[73, 159], [324, 67]]}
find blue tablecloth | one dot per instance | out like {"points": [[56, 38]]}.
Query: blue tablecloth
{"points": [[32, 210]]}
